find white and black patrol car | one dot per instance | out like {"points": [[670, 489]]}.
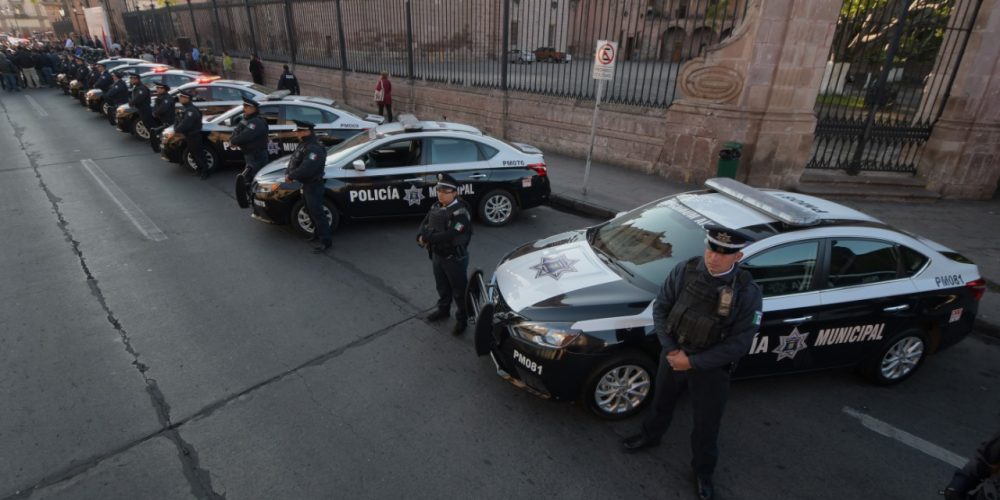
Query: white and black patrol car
{"points": [[569, 317], [334, 124], [391, 171], [212, 95]]}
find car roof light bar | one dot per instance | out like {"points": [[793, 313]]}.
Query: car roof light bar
{"points": [[410, 122], [783, 210]]}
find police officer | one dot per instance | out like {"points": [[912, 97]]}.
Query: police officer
{"points": [[445, 232], [288, 81], [164, 112], [705, 316], [141, 101], [116, 95], [250, 135], [103, 82], [190, 127], [307, 165], [980, 477]]}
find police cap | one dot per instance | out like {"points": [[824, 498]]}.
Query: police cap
{"points": [[163, 86], [446, 183], [133, 73], [250, 102], [723, 240], [301, 125], [186, 93], [117, 74]]}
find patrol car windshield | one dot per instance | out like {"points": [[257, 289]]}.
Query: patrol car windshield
{"points": [[649, 241], [338, 152]]}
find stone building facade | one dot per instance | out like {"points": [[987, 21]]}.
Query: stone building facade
{"points": [[758, 86]]}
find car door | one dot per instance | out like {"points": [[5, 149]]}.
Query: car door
{"points": [[787, 276], [219, 99], [391, 183], [464, 160], [866, 299]]}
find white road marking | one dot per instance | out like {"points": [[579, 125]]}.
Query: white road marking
{"points": [[906, 438], [135, 214], [38, 107]]}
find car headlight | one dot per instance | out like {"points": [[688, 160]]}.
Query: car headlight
{"points": [[266, 186], [121, 109], [549, 335], [167, 135], [91, 93]]}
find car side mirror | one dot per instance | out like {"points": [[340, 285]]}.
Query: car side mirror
{"points": [[358, 165]]}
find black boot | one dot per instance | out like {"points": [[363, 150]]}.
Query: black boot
{"points": [[638, 442], [437, 315], [460, 327], [705, 489]]}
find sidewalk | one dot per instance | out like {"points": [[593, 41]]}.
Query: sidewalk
{"points": [[963, 226]]}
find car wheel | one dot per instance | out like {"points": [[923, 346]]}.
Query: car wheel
{"points": [[303, 223], [211, 159], [497, 208], [139, 130], [897, 359], [620, 387]]}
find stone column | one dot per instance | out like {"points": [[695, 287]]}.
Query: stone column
{"points": [[758, 87], [962, 157]]}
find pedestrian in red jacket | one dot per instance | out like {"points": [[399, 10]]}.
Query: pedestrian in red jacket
{"points": [[383, 96]]}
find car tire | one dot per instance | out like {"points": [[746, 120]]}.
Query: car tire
{"points": [[299, 217], [620, 387], [212, 159], [497, 208], [139, 130], [897, 358]]}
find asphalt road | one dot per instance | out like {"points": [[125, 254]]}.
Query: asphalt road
{"points": [[159, 343]]}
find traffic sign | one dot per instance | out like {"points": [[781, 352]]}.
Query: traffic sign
{"points": [[604, 60]]}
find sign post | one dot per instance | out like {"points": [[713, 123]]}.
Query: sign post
{"points": [[604, 70]]}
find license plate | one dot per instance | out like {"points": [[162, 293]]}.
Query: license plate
{"points": [[259, 203]]}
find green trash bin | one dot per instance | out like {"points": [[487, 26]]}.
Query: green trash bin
{"points": [[729, 159]]}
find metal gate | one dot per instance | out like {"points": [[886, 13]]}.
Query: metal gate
{"points": [[891, 67]]}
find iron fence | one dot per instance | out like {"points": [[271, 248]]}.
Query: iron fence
{"points": [[539, 46]]}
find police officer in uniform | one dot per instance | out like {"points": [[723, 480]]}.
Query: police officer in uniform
{"points": [[190, 127], [307, 165], [116, 95], [103, 81], [705, 315], [165, 112], [445, 232], [980, 477], [250, 135], [141, 101]]}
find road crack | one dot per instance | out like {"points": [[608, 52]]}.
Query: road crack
{"points": [[198, 478]]}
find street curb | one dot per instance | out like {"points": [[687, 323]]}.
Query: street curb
{"points": [[581, 207], [591, 209]]}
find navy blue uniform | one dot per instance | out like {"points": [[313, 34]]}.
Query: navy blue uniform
{"points": [[140, 100], [116, 96], [190, 126], [447, 231], [288, 81], [307, 165], [708, 379], [250, 135], [103, 82]]}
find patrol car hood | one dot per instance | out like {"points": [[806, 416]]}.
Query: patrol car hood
{"points": [[275, 167], [563, 279]]}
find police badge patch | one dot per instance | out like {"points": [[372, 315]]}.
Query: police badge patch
{"points": [[253, 126], [312, 156]]}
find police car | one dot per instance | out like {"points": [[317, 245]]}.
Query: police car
{"points": [[333, 122], [569, 317], [76, 86], [391, 171], [213, 96], [160, 74]]}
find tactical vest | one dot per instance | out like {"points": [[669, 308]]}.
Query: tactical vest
{"points": [[694, 321], [438, 220]]}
